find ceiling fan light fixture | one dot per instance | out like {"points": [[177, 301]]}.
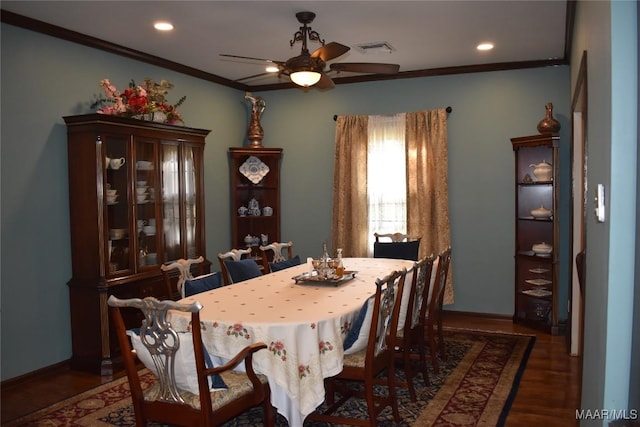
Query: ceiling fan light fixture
{"points": [[305, 78]]}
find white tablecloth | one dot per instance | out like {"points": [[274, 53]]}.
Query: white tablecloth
{"points": [[303, 325]]}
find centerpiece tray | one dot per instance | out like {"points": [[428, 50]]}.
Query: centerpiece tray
{"points": [[313, 279]]}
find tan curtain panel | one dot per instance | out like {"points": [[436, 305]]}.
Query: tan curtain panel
{"points": [[350, 186], [427, 184]]}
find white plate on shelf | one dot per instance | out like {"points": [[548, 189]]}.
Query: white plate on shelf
{"points": [[537, 292], [539, 270], [538, 282], [544, 255], [254, 169]]}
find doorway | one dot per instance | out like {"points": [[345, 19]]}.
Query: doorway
{"points": [[579, 207]]}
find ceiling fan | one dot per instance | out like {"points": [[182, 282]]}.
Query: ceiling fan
{"points": [[308, 69]]}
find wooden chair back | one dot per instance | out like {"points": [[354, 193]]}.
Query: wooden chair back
{"points": [[401, 246], [410, 337], [165, 402], [235, 255], [366, 365], [396, 237], [434, 314], [183, 266], [274, 252]]}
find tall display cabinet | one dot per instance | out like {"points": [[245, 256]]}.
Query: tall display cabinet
{"points": [[136, 200], [536, 232], [255, 196]]}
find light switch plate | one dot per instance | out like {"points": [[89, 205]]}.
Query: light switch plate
{"points": [[599, 210]]}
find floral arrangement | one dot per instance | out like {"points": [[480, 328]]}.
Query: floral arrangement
{"points": [[146, 101]]}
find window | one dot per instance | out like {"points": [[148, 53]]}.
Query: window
{"points": [[386, 175]]}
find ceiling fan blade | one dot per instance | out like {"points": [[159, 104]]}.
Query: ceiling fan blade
{"points": [[325, 82], [254, 59], [252, 77], [330, 51], [365, 67]]}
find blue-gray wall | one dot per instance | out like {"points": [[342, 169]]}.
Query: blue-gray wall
{"points": [[608, 32], [44, 79]]}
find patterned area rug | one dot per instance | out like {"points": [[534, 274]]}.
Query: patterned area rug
{"points": [[475, 387]]}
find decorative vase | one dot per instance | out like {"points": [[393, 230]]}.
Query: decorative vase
{"points": [[548, 124], [255, 132]]}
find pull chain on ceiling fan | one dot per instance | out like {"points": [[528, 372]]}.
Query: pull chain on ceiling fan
{"points": [[308, 69]]}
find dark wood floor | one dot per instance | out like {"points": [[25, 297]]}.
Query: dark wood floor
{"points": [[548, 396]]}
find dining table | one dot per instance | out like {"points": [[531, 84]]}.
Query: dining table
{"points": [[303, 324]]}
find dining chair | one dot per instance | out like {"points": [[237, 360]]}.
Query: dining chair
{"points": [[273, 256], [186, 284], [395, 237], [410, 342], [434, 333], [188, 389], [366, 365], [232, 255], [400, 246]]}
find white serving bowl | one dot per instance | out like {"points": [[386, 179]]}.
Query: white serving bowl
{"points": [[141, 183], [542, 248], [541, 212], [140, 190]]}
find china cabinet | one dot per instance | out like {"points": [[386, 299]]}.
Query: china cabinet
{"points": [[255, 197], [536, 232], [136, 200]]}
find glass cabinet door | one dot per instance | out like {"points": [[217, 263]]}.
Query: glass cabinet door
{"points": [[171, 202], [144, 202], [116, 191], [192, 179]]}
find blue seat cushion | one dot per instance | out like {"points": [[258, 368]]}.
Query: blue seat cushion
{"points": [[243, 269], [202, 283], [185, 362], [277, 266], [358, 336], [397, 250]]}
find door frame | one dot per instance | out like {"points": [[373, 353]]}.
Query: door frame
{"points": [[579, 191]]}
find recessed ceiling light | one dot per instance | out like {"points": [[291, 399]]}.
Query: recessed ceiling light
{"points": [[485, 46], [271, 69], [163, 26]]}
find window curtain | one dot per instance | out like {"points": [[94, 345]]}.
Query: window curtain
{"points": [[350, 218], [427, 184]]}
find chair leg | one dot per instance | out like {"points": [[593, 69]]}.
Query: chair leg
{"points": [[423, 359], [443, 353], [391, 379], [433, 347], [371, 404], [269, 414], [329, 392], [408, 371]]}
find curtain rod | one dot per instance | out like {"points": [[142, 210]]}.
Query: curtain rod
{"points": [[448, 109]]}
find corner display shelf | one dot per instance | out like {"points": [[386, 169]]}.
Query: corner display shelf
{"points": [[136, 200], [255, 175], [536, 227]]}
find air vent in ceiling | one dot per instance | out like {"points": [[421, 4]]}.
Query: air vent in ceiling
{"points": [[375, 47]]}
